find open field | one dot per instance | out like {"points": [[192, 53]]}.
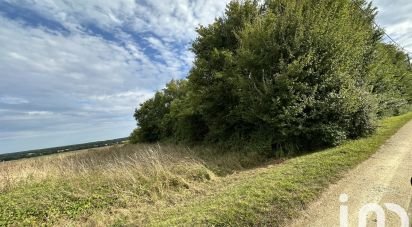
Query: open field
{"points": [[62, 149], [164, 185]]}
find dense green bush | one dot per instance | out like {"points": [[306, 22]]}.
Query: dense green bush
{"points": [[284, 74]]}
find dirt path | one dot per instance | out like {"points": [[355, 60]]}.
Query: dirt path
{"points": [[384, 178]]}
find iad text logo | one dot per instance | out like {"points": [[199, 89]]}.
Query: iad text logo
{"points": [[371, 208]]}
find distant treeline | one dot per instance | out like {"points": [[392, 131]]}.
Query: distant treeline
{"points": [[54, 150], [284, 76]]}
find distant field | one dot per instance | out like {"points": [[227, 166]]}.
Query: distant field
{"points": [[169, 185], [53, 150]]}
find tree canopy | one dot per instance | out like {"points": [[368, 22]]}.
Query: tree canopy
{"points": [[284, 74]]}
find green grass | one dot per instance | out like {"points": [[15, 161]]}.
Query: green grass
{"points": [[170, 185], [43, 203], [279, 193], [74, 186]]}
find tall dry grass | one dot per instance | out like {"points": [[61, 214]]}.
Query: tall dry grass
{"points": [[65, 189], [131, 164]]}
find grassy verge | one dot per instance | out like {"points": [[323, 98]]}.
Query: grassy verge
{"points": [[44, 191], [279, 193], [171, 185]]}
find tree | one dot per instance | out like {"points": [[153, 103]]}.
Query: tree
{"points": [[288, 74], [154, 119]]}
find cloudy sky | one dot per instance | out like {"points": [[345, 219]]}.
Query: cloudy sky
{"points": [[73, 71]]}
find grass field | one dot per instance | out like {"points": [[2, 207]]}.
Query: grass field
{"points": [[165, 185], [55, 150]]}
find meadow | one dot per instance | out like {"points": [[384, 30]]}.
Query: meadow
{"points": [[165, 185], [62, 149]]}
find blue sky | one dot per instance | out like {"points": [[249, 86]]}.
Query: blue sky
{"points": [[73, 71]]}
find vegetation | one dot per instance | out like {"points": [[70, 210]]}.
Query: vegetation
{"points": [[53, 150], [167, 185], [272, 78], [274, 195], [282, 76]]}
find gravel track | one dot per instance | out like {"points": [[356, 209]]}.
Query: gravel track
{"points": [[384, 178]]}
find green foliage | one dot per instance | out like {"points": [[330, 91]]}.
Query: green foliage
{"points": [[45, 202], [391, 79], [285, 75], [154, 116]]}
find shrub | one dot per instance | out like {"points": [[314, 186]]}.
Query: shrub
{"points": [[283, 74]]}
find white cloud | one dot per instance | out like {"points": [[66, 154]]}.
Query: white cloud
{"points": [[395, 17], [77, 64], [40, 113], [135, 95], [400, 28], [26, 115], [90, 78], [13, 100], [172, 20], [122, 102]]}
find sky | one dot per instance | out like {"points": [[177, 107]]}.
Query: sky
{"points": [[73, 71]]}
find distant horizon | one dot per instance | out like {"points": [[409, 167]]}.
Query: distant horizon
{"points": [[57, 146], [60, 142], [62, 146]]}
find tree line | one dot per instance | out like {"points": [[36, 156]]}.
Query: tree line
{"points": [[287, 75]]}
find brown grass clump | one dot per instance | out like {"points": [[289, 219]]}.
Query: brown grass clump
{"points": [[130, 164], [74, 184]]}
